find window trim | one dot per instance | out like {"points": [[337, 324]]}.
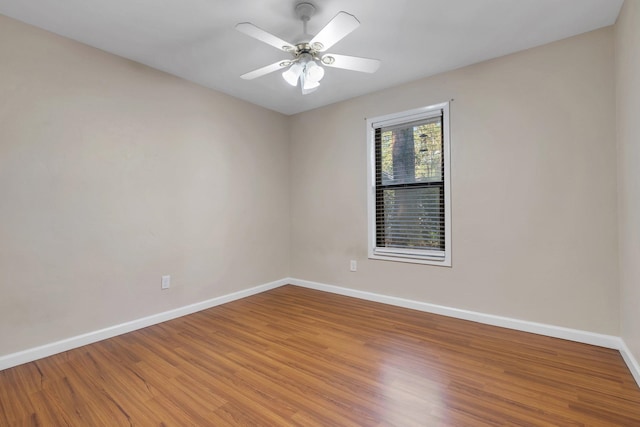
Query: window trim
{"points": [[399, 254]]}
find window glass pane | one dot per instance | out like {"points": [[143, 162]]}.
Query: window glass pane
{"points": [[413, 218], [412, 153]]}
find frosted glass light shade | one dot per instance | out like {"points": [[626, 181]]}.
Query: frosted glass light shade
{"points": [[292, 75], [313, 72]]}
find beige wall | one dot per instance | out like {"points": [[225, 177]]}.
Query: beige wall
{"points": [[112, 174], [533, 189], [628, 117]]}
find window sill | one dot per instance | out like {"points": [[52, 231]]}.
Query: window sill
{"points": [[439, 261]]}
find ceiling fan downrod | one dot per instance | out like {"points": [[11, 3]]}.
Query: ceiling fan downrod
{"points": [[304, 12]]}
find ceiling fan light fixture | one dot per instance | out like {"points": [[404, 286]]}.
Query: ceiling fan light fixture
{"points": [[313, 72], [308, 86], [292, 75]]}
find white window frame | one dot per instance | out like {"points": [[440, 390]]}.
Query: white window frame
{"points": [[399, 254]]}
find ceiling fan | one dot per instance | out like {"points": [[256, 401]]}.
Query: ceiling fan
{"points": [[307, 53]]}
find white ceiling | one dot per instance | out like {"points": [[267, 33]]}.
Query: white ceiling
{"points": [[196, 39]]}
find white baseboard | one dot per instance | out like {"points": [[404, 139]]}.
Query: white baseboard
{"points": [[631, 361], [608, 341], [601, 340], [36, 353]]}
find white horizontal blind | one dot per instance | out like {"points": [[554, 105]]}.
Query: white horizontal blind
{"points": [[410, 188]]}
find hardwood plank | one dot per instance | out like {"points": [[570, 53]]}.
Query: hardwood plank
{"points": [[300, 357]]}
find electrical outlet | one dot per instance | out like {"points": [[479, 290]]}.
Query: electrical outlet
{"points": [[166, 282], [354, 265]]}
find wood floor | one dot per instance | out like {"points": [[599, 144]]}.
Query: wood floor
{"points": [[294, 356]]}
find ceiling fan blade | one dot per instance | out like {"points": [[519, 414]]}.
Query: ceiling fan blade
{"points": [[341, 25], [268, 38], [265, 70], [353, 63]]}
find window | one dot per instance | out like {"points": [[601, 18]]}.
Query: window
{"points": [[409, 201]]}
